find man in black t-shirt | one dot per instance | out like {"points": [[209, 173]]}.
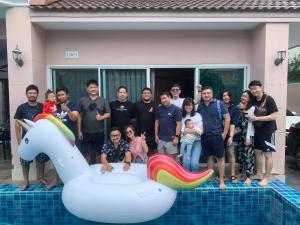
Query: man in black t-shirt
{"points": [[145, 118], [122, 111], [29, 110], [265, 127]]}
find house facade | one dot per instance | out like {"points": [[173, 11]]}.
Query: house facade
{"points": [[150, 43]]}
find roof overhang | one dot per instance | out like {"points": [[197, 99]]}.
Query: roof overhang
{"points": [[156, 20]]}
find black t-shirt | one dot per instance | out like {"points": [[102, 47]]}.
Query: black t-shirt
{"points": [[270, 105], [145, 116], [26, 111], [121, 114]]}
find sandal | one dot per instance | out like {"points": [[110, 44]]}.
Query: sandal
{"points": [[234, 179]]}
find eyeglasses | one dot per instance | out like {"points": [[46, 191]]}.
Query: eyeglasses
{"points": [[175, 89], [128, 131], [115, 135]]}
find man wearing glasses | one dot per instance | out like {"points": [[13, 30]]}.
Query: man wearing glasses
{"points": [[175, 92], [94, 111], [116, 150]]}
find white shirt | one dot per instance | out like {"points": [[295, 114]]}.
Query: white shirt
{"points": [[250, 128], [178, 102], [197, 120]]}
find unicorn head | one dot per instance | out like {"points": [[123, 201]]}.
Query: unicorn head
{"points": [[50, 136]]}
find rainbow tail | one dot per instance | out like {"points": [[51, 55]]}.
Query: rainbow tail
{"points": [[167, 171]]}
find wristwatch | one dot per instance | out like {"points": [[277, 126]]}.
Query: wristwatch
{"points": [[176, 135]]}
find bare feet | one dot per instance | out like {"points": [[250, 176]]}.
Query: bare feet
{"points": [[258, 177], [52, 184], [263, 182], [234, 179], [24, 186], [248, 181], [42, 181], [222, 186]]}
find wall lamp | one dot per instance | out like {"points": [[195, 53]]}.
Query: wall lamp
{"points": [[280, 57], [17, 56]]}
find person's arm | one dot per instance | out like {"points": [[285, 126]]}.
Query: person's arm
{"points": [[106, 166], [73, 115], [226, 125], [271, 117], [231, 133], [18, 131], [178, 128], [199, 94], [144, 144], [127, 161], [156, 128], [79, 132], [105, 116]]}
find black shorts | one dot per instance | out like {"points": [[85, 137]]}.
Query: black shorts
{"points": [[213, 145], [92, 143], [264, 141], [40, 158]]}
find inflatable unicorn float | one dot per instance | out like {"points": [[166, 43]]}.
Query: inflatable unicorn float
{"points": [[143, 193]]}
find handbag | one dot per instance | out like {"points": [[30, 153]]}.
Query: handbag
{"points": [[260, 111]]}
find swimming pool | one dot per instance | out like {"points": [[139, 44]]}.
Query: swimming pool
{"points": [[276, 204]]}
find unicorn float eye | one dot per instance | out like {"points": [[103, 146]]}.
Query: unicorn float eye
{"points": [[26, 141]]}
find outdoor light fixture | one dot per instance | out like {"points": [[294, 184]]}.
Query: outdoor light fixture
{"points": [[280, 57], [17, 56]]}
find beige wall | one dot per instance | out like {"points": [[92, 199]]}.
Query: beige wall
{"points": [[293, 98], [31, 42], [149, 47], [277, 38]]}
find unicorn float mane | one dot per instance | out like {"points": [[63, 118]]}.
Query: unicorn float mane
{"points": [[166, 170], [62, 127]]}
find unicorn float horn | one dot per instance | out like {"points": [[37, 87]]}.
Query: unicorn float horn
{"points": [[50, 136]]}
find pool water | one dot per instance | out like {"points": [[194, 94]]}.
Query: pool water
{"points": [[276, 204]]}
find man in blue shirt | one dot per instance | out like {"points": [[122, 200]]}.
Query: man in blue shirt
{"points": [[167, 125], [29, 110], [213, 113]]}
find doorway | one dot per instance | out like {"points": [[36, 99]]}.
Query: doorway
{"points": [[163, 79]]}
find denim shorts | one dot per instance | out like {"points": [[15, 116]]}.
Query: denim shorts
{"points": [[41, 158]]}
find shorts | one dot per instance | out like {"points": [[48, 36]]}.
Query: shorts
{"points": [[264, 141], [213, 145], [92, 143], [167, 147], [40, 158]]}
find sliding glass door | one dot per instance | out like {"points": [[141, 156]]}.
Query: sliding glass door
{"points": [[232, 79], [74, 79]]}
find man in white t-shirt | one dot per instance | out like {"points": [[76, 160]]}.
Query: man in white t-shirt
{"points": [[176, 91]]}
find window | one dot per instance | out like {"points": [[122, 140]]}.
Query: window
{"points": [[224, 78], [75, 80], [294, 65]]}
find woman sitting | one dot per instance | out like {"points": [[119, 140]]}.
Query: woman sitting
{"points": [[138, 146]]}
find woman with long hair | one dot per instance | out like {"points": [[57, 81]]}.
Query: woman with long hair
{"points": [[230, 141], [138, 146], [245, 143], [188, 112]]}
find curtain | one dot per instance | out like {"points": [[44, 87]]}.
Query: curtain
{"points": [[220, 79], [75, 80], [133, 79]]}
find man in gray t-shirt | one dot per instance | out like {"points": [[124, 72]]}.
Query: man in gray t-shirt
{"points": [[94, 110]]}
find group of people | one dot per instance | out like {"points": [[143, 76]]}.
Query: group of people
{"points": [[141, 129]]}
